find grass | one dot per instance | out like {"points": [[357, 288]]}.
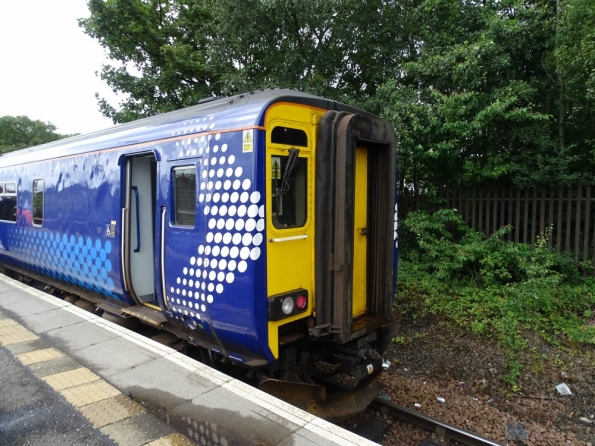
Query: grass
{"points": [[493, 287]]}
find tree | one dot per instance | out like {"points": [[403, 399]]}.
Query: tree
{"points": [[478, 99], [165, 51], [574, 62], [173, 53], [497, 91], [19, 132]]}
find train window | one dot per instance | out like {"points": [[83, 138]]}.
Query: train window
{"points": [[8, 201], [289, 191], [289, 136], [38, 191], [184, 196]]}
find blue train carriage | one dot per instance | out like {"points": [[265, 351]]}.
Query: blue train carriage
{"points": [[260, 227]]}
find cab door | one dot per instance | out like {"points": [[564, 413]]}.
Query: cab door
{"points": [[290, 177]]}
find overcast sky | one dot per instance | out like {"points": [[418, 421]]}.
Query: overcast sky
{"points": [[48, 65]]}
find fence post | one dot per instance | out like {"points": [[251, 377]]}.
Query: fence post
{"points": [[466, 204], [473, 210], [559, 222], [534, 218], [460, 191], [486, 230], [495, 212], [542, 212], [502, 201], [568, 217], [550, 220], [480, 227], [510, 219], [577, 227], [518, 216], [526, 217], [587, 225]]}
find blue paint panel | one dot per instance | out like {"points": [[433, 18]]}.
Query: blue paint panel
{"points": [[77, 207], [211, 270]]}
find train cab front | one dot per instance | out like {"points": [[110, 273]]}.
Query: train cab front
{"points": [[332, 253]]}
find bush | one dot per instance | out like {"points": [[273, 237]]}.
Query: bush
{"points": [[493, 287]]}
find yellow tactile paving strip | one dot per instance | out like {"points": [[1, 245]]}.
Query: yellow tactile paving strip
{"points": [[72, 378], [39, 356], [84, 394], [98, 401], [109, 411], [15, 333]]}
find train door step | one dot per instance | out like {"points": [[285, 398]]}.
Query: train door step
{"points": [[372, 428], [145, 314]]}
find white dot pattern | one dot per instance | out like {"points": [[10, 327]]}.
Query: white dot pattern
{"points": [[234, 232]]}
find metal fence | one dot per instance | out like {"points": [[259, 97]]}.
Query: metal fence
{"points": [[568, 210]]}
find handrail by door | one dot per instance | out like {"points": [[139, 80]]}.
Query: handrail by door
{"points": [[162, 257], [135, 189]]}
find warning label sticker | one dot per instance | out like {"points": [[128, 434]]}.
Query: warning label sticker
{"points": [[248, 141], [276, 168]]}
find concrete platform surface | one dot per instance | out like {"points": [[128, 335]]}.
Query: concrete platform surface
{"points": [[69, 377]]}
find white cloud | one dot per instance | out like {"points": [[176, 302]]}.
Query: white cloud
{"points": [[48, 65]]}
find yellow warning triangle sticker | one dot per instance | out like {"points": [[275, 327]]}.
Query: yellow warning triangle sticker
{"points": [[247, 137]]}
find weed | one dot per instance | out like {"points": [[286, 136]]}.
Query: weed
{"points": [[493, 287]]}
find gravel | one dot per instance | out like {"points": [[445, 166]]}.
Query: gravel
{"points": [[456, 378]]}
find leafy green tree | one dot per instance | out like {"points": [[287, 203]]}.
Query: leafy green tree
{"points": [[478, 98], [173, 53], [497, 91], [574, 60], [19, 132], [165, 52]]}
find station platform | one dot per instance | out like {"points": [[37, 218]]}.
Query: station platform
{"points": [[69, 377]]}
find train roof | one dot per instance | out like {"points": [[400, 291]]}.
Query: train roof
{"points": [[209, 116]]}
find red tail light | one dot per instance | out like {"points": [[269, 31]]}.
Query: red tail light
{"points": [[301, 302]]}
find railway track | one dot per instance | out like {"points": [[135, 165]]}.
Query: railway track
{"points": [[440, 433]]}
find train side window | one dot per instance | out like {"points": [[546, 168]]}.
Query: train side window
{"points": [[289, 136], [38, 192], [184, 196], [8, 201], [289, 190]]}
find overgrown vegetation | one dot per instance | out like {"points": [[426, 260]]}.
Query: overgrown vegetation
{"points": [[493, 287]]}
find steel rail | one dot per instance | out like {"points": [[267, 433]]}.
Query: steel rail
{"points": [[432, 425]]}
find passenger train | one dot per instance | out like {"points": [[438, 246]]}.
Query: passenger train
{"points": [[261, 228]]}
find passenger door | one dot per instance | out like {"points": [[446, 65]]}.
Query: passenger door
{"points": [[139, 228]]}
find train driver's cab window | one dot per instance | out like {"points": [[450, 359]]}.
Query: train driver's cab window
{"points": [[8, 201], [289, 190], [38, 191], [184, 183]]}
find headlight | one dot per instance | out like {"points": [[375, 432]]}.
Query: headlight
{"points": [[287, 305]]}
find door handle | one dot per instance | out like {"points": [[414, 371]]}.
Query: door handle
{"points": [[364, 231], [135, 189], [162, 256]]}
